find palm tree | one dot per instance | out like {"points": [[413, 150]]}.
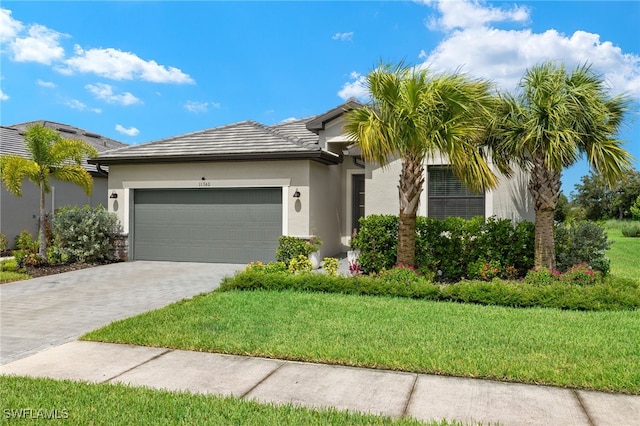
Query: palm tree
{"points": [[50, 156], [551, 123], [414, 115]]}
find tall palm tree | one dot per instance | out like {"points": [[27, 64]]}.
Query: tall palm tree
{"points": [[554, 120], [414, 115], [50, 156]]}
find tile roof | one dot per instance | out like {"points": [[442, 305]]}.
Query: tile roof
{"points": [[237, 141], [12, 140]]}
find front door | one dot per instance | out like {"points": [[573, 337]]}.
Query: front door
{"points": [[357, 201]]}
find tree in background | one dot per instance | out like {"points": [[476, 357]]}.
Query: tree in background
{"points": [[50, 156], [599, 200], [557, 117], [414, 115]]}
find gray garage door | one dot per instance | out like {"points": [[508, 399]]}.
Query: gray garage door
{"points": [[234, 225]]}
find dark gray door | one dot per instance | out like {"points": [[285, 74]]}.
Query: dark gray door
{"points": [[357, 201], [227, 225]]}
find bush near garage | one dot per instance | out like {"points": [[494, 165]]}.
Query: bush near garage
{"points": [[85, 234]]}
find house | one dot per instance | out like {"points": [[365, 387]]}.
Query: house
{"points": [[18, 213], [225, 194]]}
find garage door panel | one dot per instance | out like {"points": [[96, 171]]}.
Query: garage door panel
{"points": [[209, 225]]}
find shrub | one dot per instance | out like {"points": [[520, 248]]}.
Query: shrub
{"points": [[56, 256], [613, 294], [268, 267], [301, 263], [26, 242], [4, 242], [581, 242], [292, 247], [541, 277], [631, 230], [401, 275], [483, 270], [446, 248], [85, 234], [330, 265], [581, 274], [377, 241], [635, 209]]}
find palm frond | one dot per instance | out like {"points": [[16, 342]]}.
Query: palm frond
{"points": [[75, 174], [14, 170]]}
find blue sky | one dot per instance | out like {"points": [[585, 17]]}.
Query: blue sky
{"points": [[141, 71]]}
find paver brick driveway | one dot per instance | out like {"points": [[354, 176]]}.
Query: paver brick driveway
{"points": [[48, 311]]}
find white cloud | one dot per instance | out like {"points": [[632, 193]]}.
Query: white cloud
{"points": [[356, 88], [47, 84], [504, 56], [198, 107], [3, 96], [105, 92], [41, 45], [76, 104], [131, 131], [472, 14], [288, 120], [96, 110], [343, 36], [118, 65], [9, 27]]}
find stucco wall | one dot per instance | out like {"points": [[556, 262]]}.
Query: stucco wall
{"points": [[292, 175], [510, 200], [325, 206], [18, 213]]}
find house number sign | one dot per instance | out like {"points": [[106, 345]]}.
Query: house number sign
{"points": [[204, 184]]}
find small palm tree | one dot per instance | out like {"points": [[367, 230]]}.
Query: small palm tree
{"points": [[414, 115], [556, 119], [50, 156]]}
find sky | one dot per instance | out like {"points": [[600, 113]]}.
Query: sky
{"points": [[143, 71]]}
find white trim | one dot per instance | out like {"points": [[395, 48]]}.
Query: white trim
{"points": [[488, 203], [285, 210], [207, 183]]}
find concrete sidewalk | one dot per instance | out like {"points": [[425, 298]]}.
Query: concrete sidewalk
{"points": [[382, 392]]}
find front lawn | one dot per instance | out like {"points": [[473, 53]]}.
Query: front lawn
{"points": [[42, 400], [624, 252], [589, 350]]}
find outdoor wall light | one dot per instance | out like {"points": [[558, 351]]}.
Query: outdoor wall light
{"points": [[113, 195], [296, 194]]}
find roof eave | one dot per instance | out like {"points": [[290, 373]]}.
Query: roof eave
{"points": [[321, 156]]}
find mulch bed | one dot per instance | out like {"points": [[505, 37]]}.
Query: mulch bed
{"points": [[41, 271]]}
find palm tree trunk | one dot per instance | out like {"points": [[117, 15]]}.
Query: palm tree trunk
{"points": [[409, 189], [42, 251], [545, 189]]}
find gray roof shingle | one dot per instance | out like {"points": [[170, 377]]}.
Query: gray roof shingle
{"points": [[237, 141], [12, 140]]}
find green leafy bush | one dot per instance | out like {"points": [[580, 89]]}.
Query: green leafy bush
{"points": [[26, 242], [56, 256], [377, 241], [292, 247], [446, 248], [635, 209], [401, 275], [301, 263], [483, 270], [330, 266], [85, 234], [581, 242], [631, 230], [4, 242]]}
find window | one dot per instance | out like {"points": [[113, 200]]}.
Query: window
{"points": [[449, 197]]}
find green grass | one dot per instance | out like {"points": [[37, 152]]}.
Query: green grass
{"points": [[624, 252], [9, 272], [84, 404], [589, 350]]}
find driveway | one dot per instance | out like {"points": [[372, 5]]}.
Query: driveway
{"points": [[43, 312]]}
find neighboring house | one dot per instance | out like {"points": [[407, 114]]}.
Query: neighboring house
{"points": [[18, 213], [225, 194]]}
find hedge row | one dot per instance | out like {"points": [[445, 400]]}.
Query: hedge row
{"points": [[614, 294], [446, 248]]}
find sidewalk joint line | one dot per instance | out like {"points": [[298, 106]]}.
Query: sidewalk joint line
{"points": [[263, 380], [138, 365], [584, 407], [410, 396]]}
